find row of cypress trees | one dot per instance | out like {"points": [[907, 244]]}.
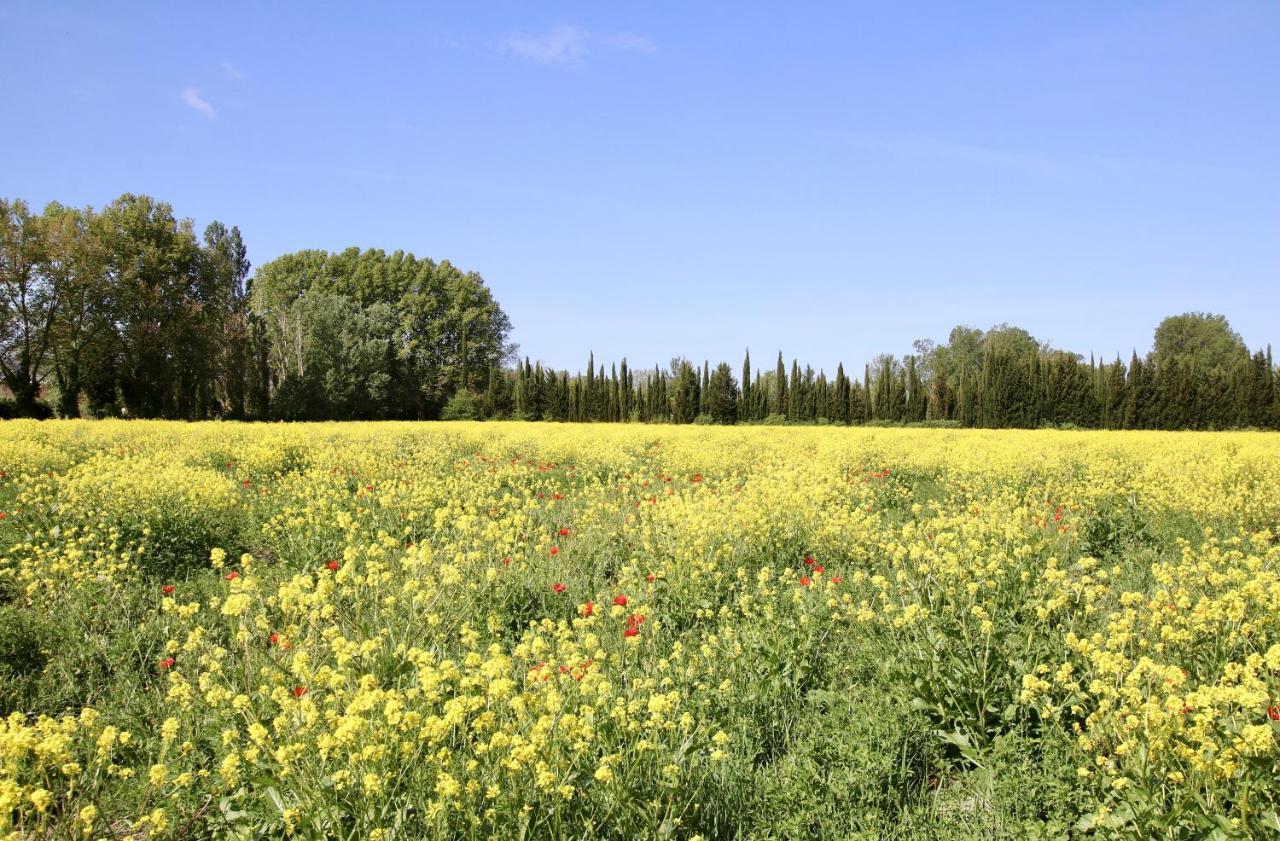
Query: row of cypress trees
{"points": [[1003, 381]]}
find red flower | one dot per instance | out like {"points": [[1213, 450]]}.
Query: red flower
{"points": [[168, 589], [555, 550], [232, 576], [564, 532], [808, 560], [805, 581], [819, 568], [333, 565], [273, 639], [697, 477], [620, 600], [631, 632], [299, 691], [634, 620], [368, 487], [167, 663], [588, 608], [651, 578], [557, 496], [1273, 713], [836, 579], [558, 587], [245, 483], [506, 562]]}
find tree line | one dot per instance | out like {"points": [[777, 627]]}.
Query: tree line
{"points": [[126, 311], [1200, 375]]}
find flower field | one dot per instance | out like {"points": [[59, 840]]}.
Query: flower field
{"points": [[365, 631]]}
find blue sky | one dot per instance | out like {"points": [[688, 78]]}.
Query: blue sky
{"points": [[829, 179]]}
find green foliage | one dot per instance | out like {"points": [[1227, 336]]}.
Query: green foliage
{"points": [[462, 406], [338, 359], [857, 760]]}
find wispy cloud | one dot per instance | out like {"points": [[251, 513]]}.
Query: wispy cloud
{"points": [[944, 149], [570, 44], [233, 72], [986, 156], [559, 45], [630, 42], [196, 102]]}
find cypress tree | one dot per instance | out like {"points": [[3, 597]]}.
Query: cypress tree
{"points": [[706, 385], [841, 397], [722, 395], [1116, 398], [916, 403], [793, 392], [780, 388], [1139, 394]]}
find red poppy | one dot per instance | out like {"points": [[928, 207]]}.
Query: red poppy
{"points": [[299, 691], [557, 496], [805, 581], [620, 600], [368, 487], [819, 568], [273, 639], [232, 576], [651, 578], [836, 579], [167, 663], [564, 532], [168, 589], [634, 620], [333, 565], [245, 483], [555, 550], [631, 632], [1273, 713], [588, 608], [808, 560], [558, 587], [697, 477]]}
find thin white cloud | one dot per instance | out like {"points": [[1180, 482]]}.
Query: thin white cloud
{"points": [[566, 44], [945, 149], [631, 42], [196, 102], [233, 72], [986, 156], [562, 44]]}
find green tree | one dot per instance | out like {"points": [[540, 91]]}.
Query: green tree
{"points": [[722, 395], [28, 304]]}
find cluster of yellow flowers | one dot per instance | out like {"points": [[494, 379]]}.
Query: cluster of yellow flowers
{"points": [[492, 630]]}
